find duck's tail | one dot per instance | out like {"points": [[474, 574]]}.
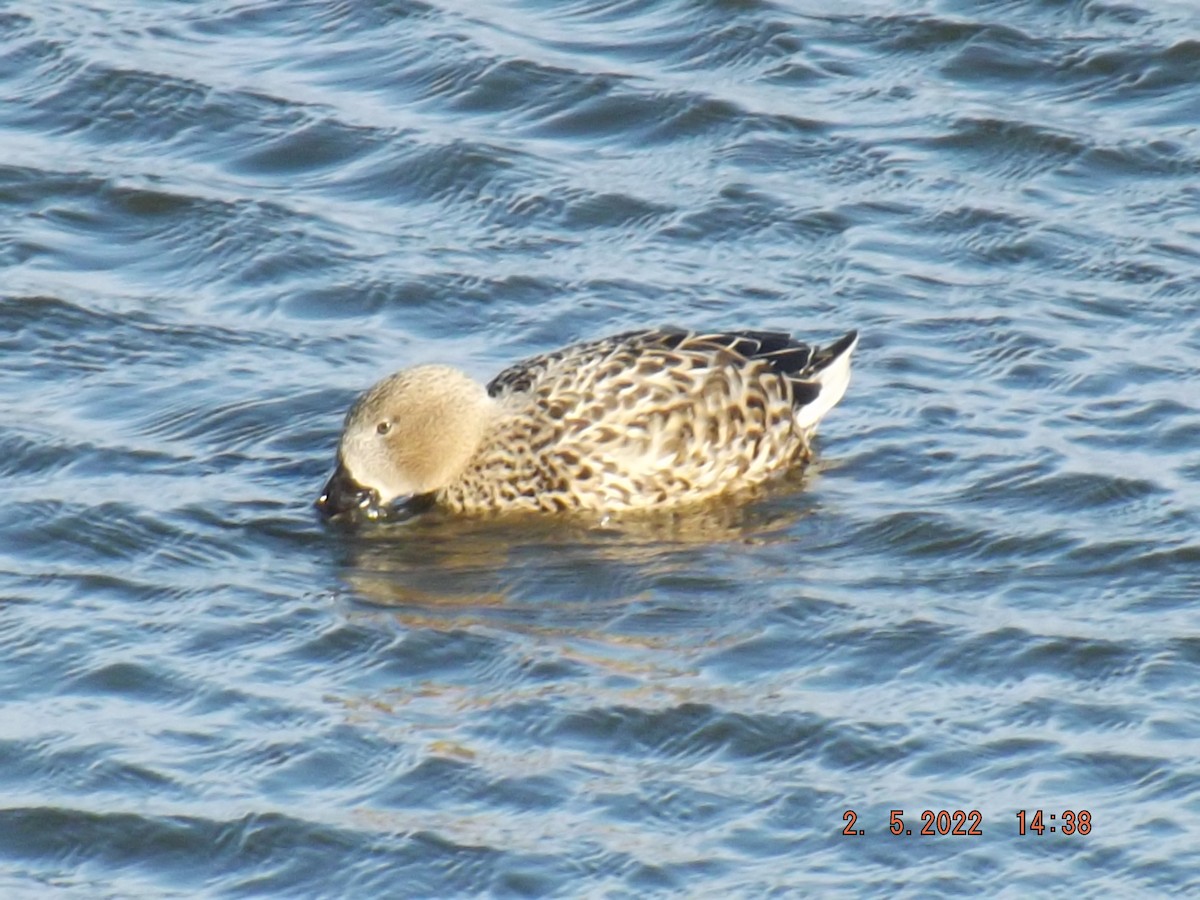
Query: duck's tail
{"points": [[830, 373]]}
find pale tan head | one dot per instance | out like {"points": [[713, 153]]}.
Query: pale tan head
{"points": [[410, 435]]}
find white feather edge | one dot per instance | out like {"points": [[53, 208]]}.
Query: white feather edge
{"points": [[833, 379]]}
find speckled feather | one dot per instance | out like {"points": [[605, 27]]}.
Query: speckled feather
{"points": [[648, 418]]}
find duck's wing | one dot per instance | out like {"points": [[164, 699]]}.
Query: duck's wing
{"points": [[523, 376], [810, 371]]}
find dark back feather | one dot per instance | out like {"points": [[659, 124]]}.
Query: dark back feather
{"points": [[795, 360]]}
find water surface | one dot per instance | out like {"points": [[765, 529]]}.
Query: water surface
{"points": [[220, 220]]}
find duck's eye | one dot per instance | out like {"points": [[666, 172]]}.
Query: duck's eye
{"points": [[383, 427]]}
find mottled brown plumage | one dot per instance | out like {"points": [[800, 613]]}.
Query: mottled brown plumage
{"points": [[634, 421]]}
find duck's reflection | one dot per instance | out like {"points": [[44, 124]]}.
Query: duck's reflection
{"points": [[627, 612], [442, 565]]}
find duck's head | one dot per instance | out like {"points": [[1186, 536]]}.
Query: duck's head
{"points": [[403, 440]]}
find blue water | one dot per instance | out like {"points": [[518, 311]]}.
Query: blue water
{"points": [[221, 220]]}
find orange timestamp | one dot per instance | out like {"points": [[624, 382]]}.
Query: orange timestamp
{"points": [[1070, 821], [970, 824]]}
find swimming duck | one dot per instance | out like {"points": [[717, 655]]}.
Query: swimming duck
{"points": [[638, 420]]}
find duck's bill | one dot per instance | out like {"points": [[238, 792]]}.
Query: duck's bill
{"points": [[345, 500], [342, 496]]}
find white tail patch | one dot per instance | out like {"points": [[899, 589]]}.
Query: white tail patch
{"points": [[833, 379]]}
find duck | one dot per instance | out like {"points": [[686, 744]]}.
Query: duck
{"points": [[640, 420]]}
